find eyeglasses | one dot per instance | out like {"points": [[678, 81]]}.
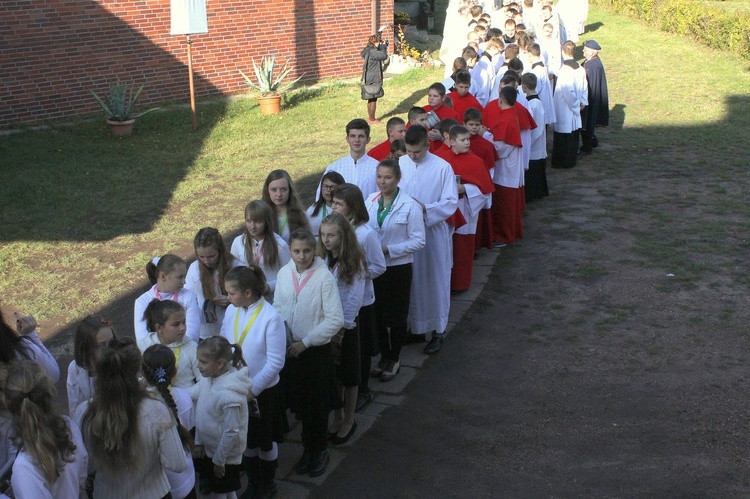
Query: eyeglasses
{"points": [[328, 187]]}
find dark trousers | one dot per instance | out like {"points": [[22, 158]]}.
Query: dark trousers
{"points": [[392, 293], [367, 344], [564, 149]]}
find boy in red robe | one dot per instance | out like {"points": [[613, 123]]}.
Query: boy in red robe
{"points": [[396, 130], [505, 133], [462, 99], [435, 104], [475, 190], [486, 151]]}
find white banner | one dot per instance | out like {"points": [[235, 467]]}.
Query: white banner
{"points": [[189, 17]]}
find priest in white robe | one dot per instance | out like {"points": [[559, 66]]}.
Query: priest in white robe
{"points": [[431, 182]]}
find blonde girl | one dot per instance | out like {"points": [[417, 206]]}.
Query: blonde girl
{"points": [[159, 372], [349, 202], [167, 274], [279, 192], [260, 245], [339, 247], [257, 327], [165, 321], [205, 278], [308, 300], [131, 437], [91, 338], [52, 461], [221, 415]]}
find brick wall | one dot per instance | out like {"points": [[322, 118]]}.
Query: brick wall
{"points": [[52, 53]]}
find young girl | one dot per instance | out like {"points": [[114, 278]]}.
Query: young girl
{"points": [[259, 244], [92, 337], [278, 191], [165, 321], [205, 278], [308, 300], [257, 327], [52, 461], [221, 415], [24, 343], [324, 205], [131, 437], [349, 202], [167, 274], [159, 371], [398, 221], [339, 247]]}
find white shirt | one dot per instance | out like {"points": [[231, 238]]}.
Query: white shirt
{"points": [[238, 251], [374, 257], [194, 284], [185, 297], [361, 172]]}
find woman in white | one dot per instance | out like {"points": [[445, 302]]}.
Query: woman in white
{"points": [[398, 222]]}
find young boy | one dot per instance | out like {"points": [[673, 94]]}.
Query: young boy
{"points": [[507, 200], [509, 33], [487, 153], [417, 116], [462, 99], [435, 103], [356, 167], [543, 85], [525, 121], [444, 128], [475, 193], [430, 181], [396, 129], [570, 96], [535, 184]]}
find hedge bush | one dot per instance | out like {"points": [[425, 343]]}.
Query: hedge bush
{"points": [[708, 25]]}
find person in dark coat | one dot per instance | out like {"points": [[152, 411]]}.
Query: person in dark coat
{"points": [[374, 54], [597, 112]]}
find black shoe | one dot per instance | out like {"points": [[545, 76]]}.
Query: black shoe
{"points": [[267, 487], [303, 465], [337, 440], [414, 338], [362, 400], [319, 463], [434, 346]]}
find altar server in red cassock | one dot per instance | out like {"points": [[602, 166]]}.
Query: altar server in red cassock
{"points": [[475, 190], [486, 151], [462, 99], [396, 129], [505, 133]]}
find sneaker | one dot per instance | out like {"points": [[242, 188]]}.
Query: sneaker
{"points": [[390, 371]]}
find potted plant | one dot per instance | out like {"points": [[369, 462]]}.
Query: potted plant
{"points": [[270, 85], [119, 107]]}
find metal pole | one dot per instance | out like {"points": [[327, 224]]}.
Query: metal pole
{"points": [[192, 88]]}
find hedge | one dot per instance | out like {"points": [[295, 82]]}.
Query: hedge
{"points": [[708, 25]]}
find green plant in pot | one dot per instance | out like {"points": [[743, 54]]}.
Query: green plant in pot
{"points": [[270, 84], [119, 106]]}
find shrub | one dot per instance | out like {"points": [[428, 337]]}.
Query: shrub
{"points": [[708, 25]]}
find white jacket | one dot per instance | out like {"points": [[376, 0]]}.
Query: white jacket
{"points": [[316, 314], [403, 229], [186, 354]]}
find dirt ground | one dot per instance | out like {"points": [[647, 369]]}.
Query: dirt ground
{"points": [[606, 357]]}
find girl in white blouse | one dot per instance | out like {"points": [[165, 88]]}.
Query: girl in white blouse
{"points": [[92, 337]]}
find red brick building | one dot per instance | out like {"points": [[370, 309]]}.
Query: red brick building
{"points": [[53, 52]]}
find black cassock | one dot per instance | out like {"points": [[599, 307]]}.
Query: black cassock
{"points": [[597, 112]]}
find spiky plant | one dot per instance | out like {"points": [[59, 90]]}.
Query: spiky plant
{"points": [[121, 101], [268, 82]]}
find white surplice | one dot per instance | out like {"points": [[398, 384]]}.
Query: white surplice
{"points": [[433, 183]]}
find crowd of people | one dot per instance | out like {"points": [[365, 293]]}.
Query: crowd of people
{"points": [[305, 307]]}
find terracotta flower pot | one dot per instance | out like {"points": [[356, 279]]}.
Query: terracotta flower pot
{"points": [[121, 128], [270, 104]]}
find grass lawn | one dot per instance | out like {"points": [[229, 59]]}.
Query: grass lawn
{"points": [[82, 213]]}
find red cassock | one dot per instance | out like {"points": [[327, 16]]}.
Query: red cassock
{"points": [[473, 171], [485, 150], [507, 202], [443, 112], [380, 151], [462, 103]]}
